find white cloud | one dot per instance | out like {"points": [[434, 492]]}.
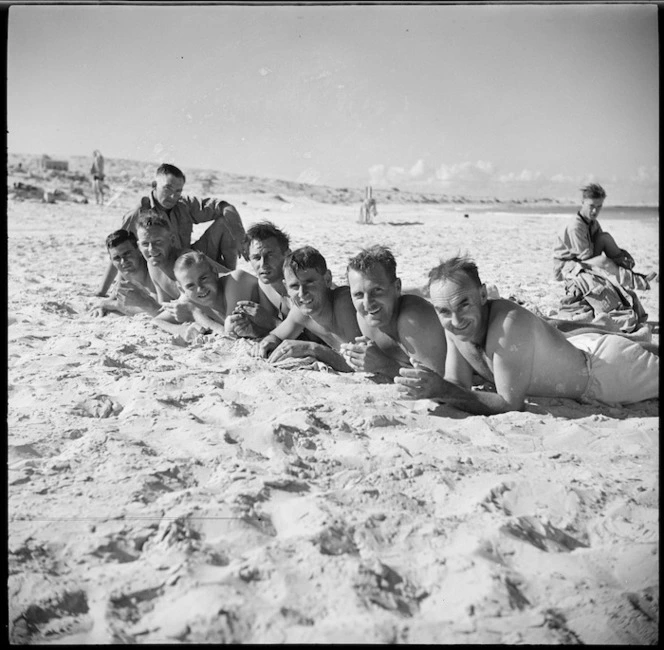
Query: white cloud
{"points": [[524, 176], [465, 172], [646, 175], [418, 169]]}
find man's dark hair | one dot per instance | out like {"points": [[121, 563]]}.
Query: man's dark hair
{"points": [[120, 237], [264, 230], [147, 218], [376, 255], [593, 191], [453, 269], [165, 169], [305, 258]]}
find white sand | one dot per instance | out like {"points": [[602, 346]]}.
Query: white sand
{"points": [[160, 492]]}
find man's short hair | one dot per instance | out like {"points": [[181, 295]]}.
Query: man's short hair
{"points": [[187, 260], [170, 170], [376, 255], [453, 269], [593, 191], [148, 218], [264, 230], [120, 237], [306, 257]]}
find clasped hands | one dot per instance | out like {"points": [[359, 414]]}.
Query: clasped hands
{"points": [[416, 382], [249, 319], [274, 349]]}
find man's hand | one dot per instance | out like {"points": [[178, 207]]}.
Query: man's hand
{"points": [[240, 325], [365, 356], [253, 312], [243, 247], [98, 312], [133, 300], [419, 382], [292, 349], [269, 343], [181, 312], [625, 260]]}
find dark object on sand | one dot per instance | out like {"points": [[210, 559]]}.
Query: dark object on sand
{"points": [[466, 216]]}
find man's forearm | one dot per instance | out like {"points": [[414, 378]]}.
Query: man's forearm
{"points": [[331, 357], [474, 402], [109, 276]]}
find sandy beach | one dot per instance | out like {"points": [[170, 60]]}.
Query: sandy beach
{"points": [[165, 492]]}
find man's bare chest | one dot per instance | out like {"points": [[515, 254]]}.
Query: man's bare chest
{"points": [[477, 358]]}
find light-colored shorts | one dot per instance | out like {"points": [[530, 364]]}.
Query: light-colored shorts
{"points": [[620, 370]]}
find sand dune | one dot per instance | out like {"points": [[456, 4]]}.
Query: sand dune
{"points": [[165, 492]]}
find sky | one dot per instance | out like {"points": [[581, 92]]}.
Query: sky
{"points": [[486, 100]]}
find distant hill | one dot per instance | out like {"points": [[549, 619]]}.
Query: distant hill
{"points": [[136, 175]]}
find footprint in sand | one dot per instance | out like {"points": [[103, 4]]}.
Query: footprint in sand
{"points": [[544, 536]]}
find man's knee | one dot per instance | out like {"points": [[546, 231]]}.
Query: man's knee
{"points": [[218, 243]]}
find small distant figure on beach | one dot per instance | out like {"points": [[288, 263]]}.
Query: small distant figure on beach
{"points": [[368, 208], [97, 171]]}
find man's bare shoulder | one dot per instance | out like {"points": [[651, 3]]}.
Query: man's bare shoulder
{"points": [[341, 295], [503, 311], [240, 275], [412, 305]]}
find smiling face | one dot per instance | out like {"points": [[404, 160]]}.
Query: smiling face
{"points": [[307, 289], [461, 307], [126, 258], [198, 283], [590, 208], [155, 244], [375, 297], [267, 260], [168, 190]]}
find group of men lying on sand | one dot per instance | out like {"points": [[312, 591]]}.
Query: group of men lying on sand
{"points": [[433, 349]]}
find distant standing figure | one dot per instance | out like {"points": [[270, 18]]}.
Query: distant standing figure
{"points": [[97, 171], [368, 208]]}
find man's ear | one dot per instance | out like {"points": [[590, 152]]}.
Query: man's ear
{"points": [[397, 284], [484, 296], [328, 278]]}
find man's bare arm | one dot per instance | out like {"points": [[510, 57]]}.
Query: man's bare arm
{"points": [[106, 282], [290, 349]]}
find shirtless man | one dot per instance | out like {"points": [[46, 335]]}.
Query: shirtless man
{"points": [[522, 354], [210, 297], [317, 308], [398, 331], [222, 242], [158, 246], [268, 247], [133, 291]]}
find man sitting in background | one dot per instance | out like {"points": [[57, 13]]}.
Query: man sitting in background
{"points": [[398, 331], [222, 242], [522, 354], [133, 291], [584, 244]]}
